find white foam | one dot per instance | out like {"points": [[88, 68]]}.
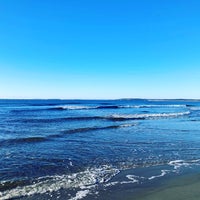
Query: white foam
{"points": [[132, 179], [81, 194], [195, 108], [152, 115], [127, 125], [182, 163], [72, 107], [111, 184], [177, 163], [84, 180], [78, 107], [163, 173], [156, 106]]}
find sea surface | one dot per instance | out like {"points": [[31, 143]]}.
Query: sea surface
{"points": [[95, 149]]}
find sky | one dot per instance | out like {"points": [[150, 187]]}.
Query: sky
{"points": [[99, 49]]}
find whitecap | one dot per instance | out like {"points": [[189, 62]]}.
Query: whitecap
{"points": [[75, 107], [195, 108], [152, 115], [156, 106]]}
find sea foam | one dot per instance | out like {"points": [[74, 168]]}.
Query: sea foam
{"points": [[151, 115], [86, 180]]}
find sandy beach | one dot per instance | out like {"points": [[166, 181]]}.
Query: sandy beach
{"points": [[182, 188]]}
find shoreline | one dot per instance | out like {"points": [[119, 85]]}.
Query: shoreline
{"points": [[176, 186], [185, 187]]}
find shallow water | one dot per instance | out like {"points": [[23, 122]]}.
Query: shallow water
{"points": [[74, 149]]}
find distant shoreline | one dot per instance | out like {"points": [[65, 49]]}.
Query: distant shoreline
{"points": [[123, 99]]}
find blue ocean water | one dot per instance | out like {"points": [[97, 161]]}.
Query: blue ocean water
{"points": [[84, 147]]}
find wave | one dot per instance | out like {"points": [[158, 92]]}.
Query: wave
{"points": [[55, 108], [183, 163], [88, 181], [195, 108], [45, 104], [14, 141], [85, 107], [73, 107], [116, 117], [16, 111], [52, 120], [8, 185], [53, 104], [32, 139], [88, 129], [83, 182], [159, 106], [108, 107], [147, 116]]}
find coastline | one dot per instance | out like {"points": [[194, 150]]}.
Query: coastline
{"points": [[178, 186], [181, 188], [174, 186]]}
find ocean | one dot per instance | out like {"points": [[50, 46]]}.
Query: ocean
{"points": [[95, 149]]}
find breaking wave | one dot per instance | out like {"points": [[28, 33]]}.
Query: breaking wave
{"points": [[147, 116], [87, 107], [78, 107], [160, 106], [85, 180], [114, 117]]}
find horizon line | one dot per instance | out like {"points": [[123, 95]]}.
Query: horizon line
{"points": [[137, 98]]}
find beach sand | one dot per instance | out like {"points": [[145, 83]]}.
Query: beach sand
{"points": [[183, 188]]}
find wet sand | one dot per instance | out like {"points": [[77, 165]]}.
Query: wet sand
{"points": [[183, 188]]}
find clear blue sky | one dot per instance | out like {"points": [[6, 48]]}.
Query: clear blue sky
{"points": [[99, 48]]}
